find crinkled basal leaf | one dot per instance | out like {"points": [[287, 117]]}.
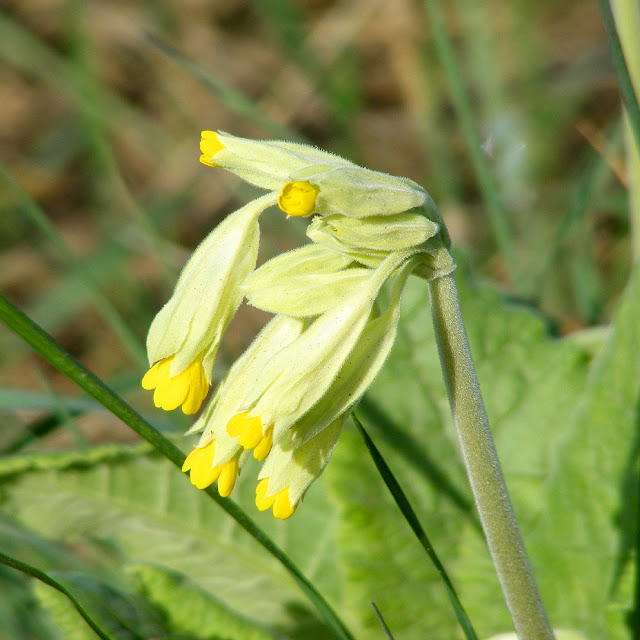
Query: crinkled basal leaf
{"points": [[590, 496], [18, 616], [190, 610], [531, 383], [150, 513], [119, 614]]}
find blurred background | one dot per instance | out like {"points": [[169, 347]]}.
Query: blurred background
{"points": [[508, 112]]}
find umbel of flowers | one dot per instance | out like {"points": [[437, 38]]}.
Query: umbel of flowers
{"points": [[285, 399]]}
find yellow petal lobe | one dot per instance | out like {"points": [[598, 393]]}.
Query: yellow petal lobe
{"points": [[210, 145], [262, 449], [199, 462], [228, 475], [262, 502], [298, 199], [248, 430], [282, 507], [189, 388]]}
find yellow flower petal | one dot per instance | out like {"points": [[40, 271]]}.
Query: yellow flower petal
{"points": [[248, 430], [262, 502], [199, 462], [262, 449], [228, 475], [282, 507], [210, 145], [189, 388]]}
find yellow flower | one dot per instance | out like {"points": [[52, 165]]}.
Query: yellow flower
{"points": [[199, 462], [226, 431], [184, 337], [292, 467], [306, 381], [189, 388]]}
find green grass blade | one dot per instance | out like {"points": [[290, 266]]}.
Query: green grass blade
{"points": [[626, 86], [497, 214], [382, 622], [411, 518], [43, 577], [585, 191], [51, 351], [232, 98], [416, 456], [42, 222]]}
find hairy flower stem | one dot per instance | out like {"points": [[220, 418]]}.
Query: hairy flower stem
{"points": [[483, 467]]}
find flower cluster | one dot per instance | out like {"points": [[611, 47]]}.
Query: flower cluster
{"points": [[287, 397]]}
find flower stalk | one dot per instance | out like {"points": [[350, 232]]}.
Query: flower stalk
{"points": [[483, 467]]}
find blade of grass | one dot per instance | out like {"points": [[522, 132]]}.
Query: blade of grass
{"points": [[627, 41], [111, 193], [382, 622], [43, 577], [596, 171], [42, 222], [233, 99], [51, 351], [626, 86], [411, 518], [497, 214]]}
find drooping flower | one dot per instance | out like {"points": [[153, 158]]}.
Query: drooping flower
{"points": [[310, 180], [302, 451], [184, 336], [317, 374], [223, 449]]}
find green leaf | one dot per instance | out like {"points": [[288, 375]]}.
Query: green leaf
{"points": [[46, 346], [589, 496], [192, 610], [121, 615], [531, 382], [19, 615], [579, 522], [145, 510]]}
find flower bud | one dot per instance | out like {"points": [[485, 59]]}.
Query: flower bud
{"points": [[396, 232], [267, 164], [185, 334], [359, 193], [303, 282]]}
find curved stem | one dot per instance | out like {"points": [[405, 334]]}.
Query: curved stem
{"points": [[483, 467]]}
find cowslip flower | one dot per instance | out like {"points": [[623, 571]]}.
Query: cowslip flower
{"points": [[218, 454], [310, 180], [185, 334], [287, 397]]}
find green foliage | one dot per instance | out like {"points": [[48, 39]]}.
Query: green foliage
{"points": [[192, 610], [146, 554], [146, 511], [553, 410], [120, 614]]}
